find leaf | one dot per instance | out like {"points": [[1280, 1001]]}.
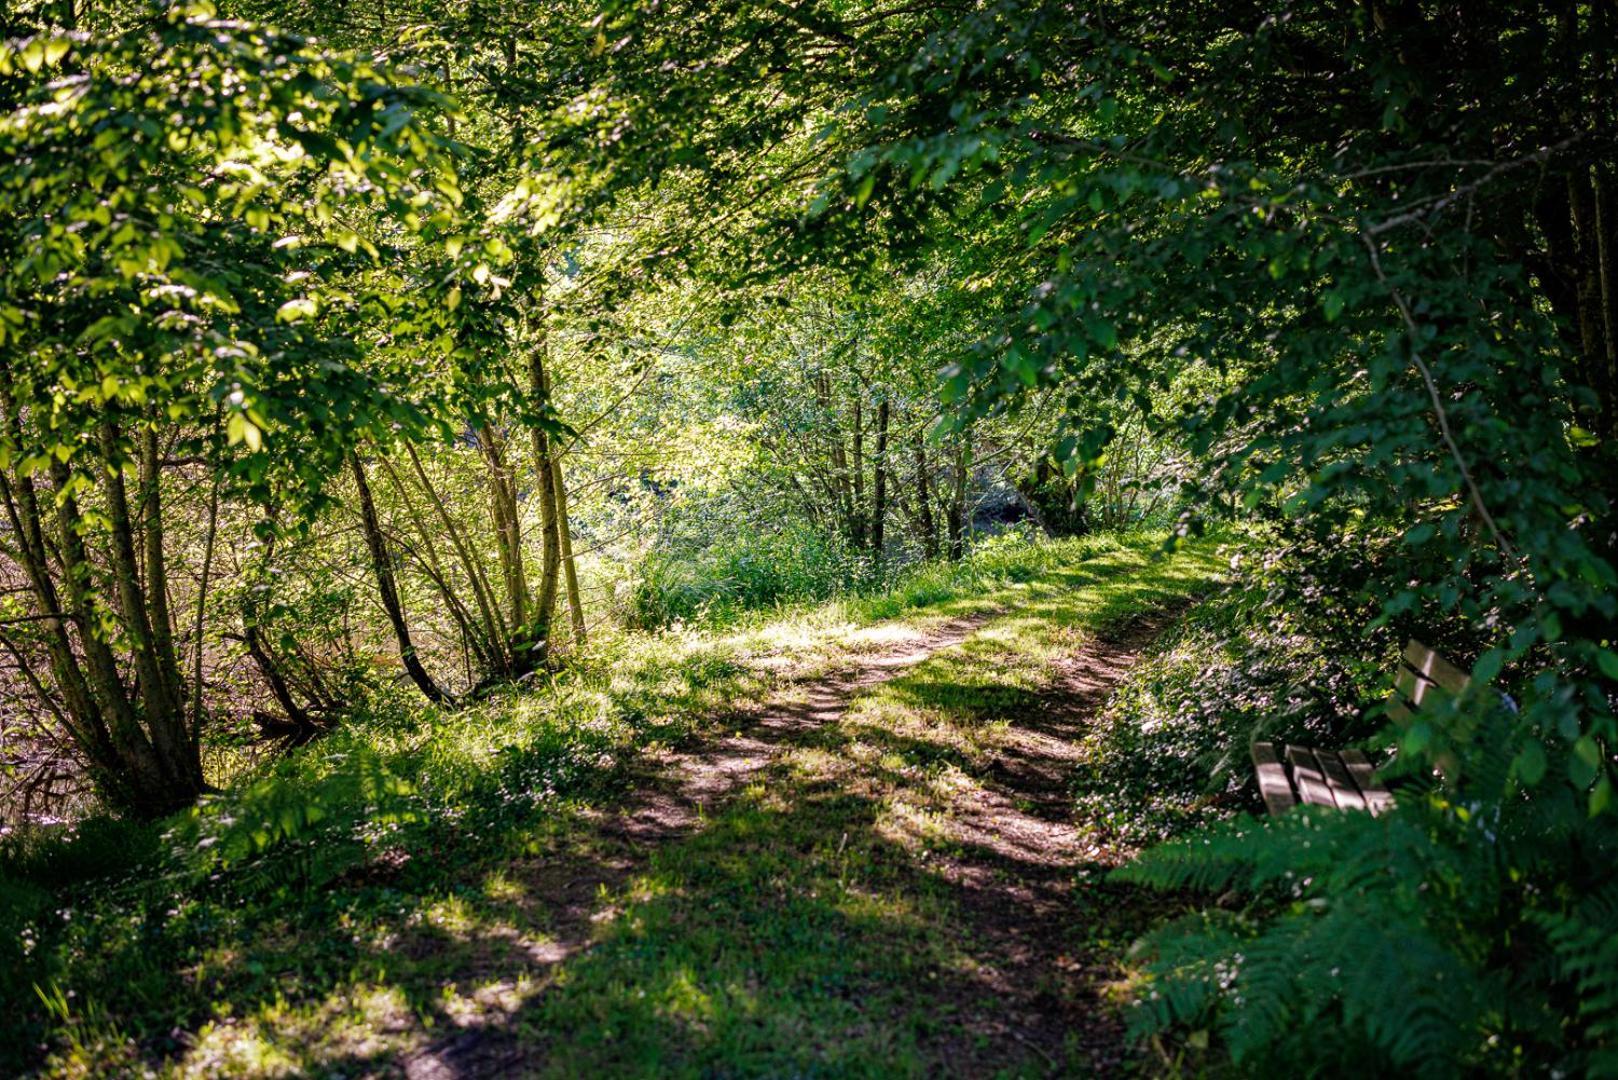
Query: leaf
{"points": [[1488, 666], [295, 310], [1601, 797], [1420, 534], [1332, 304], [1531, 764]]}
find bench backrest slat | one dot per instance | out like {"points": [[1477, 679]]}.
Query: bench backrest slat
{"points": [[1273, 783], [1434, 668], [1421, 674]]}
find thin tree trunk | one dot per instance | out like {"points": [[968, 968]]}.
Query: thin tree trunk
{"points": [[842, 488], [1606, 237], [494, 623], [879, 482], [539, 387], [507, 527], [202, 607], [474, 636], [924, 498], [161, 707], [387, 589], [958, 525], [157, 590], [570, 573], [856, 524], [146, 783]]}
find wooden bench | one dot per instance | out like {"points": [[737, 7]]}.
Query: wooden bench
{"points": [[1288, 775]]}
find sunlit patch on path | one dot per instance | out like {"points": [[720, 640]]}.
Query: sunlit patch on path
{"points": [[912, 817], [673, 796]]}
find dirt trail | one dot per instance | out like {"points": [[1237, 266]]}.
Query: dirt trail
{"points": [[1021, 875], [1014, 871], [671, 794]]}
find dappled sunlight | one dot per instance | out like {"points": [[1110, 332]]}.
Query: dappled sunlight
{"points": [[361, 1024], [781, 886]]}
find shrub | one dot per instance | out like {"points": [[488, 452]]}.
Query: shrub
{"points": [[742, 569]]}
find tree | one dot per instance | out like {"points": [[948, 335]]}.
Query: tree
{"points": [[182, 201]]}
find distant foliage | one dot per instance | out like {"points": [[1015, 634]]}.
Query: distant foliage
{"points": [[743, 569]]}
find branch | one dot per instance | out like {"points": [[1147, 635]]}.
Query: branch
{"points": [[1438, 404]]}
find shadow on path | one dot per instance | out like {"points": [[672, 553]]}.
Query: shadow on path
{"points": [[868, 874]]}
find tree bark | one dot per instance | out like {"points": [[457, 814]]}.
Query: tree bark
{"points": [[162, 708], [856, 522], [575, 602], [924, 498], [879, 483], [386, 587], [958, 524], [539, 389], [507, 526], [498, 634]]}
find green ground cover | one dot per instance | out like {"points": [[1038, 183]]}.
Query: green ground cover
{"points": [[340, 910]]}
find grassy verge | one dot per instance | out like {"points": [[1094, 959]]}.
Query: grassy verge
{"points": [[369, 894]]}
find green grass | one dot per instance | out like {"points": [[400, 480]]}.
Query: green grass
{"points": [[396, 882]]}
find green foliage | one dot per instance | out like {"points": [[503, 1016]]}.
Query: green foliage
{"points": [[1253, 661], [740, 571], [1449, 934], [189, 206], [288, 886]]}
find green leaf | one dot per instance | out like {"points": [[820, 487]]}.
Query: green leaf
{"points": [[1601, 798], [295, 310], [1531, 764], [1420, 534]]}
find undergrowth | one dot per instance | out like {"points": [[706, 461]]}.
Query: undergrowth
{"points": [[123, 944], [1171, 750], [1471, 930]]}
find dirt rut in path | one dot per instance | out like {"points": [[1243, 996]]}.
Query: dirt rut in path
{"points": [[1022, 865], [670, 796]]}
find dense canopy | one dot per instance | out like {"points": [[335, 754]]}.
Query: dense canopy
{"points": [[381, 367]]}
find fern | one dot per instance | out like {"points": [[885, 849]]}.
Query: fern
{"points": [[1585, 943], [1472, 929]]}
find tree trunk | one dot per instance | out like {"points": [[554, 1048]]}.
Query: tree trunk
{"points": [[475, 636], [924, 498], [1606, 256], [494, 626], [202, 609], [161, 705], [507, 527], [539, 388], [386, 587], [879, 483], [959, 526], [856, 523], [575, 603]]}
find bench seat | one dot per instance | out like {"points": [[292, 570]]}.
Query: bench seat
{"points": [[1345, 779], [1289, 775]]}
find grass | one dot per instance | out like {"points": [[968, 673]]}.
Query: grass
{"points": [[420, 875]]}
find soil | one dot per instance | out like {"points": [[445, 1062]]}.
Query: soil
{"points": [[1021, 871]]}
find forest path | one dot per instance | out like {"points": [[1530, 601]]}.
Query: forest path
{"points": [[885, 855]]}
